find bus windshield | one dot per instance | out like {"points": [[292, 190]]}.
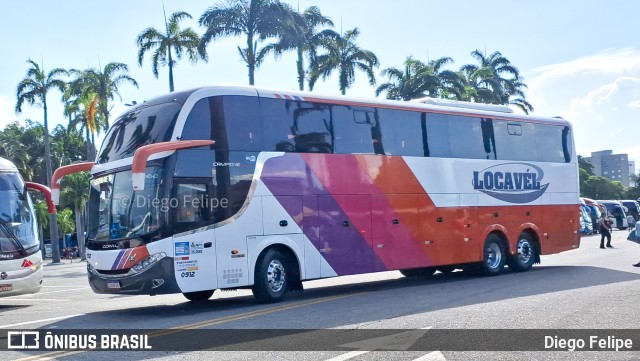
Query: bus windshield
{"points": [[140, 126], [117, 212], [17, 220]]}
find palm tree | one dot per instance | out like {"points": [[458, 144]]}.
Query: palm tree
{"points": [[303, 37], [75, 191], [82, 110], [173, 38], [255, 19], [485, 82], [103, 85], [344, 56], [404, 84], [33, 90]]}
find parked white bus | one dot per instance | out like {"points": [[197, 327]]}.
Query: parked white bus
{"points": [[20, 255]]}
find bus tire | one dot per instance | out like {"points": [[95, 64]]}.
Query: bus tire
{"points": [[198, 296], [494, 256], [418, 272], [526, 254], [271, 277]]}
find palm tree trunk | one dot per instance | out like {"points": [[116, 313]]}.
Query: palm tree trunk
{"points": [[251, 58], [300, 64], [89, 145], [170, 70], [78, 211], [53, 218]]}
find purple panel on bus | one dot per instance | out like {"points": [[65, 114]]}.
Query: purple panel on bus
{"points": [[344, 248]]}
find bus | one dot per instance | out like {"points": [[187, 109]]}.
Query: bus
{"points": [[229, 187], [20, 255]]}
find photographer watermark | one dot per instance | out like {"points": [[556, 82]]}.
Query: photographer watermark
{"points": [[165, 204]]}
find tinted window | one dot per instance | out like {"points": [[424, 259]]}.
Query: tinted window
{"points": [[438, 136], [294, 126], [471, 137], [198, 124], [353, 137], [515, 141], [140, 126], [236, 123], [410, 134], [551, 143]]}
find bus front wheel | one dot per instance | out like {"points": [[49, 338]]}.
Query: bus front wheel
{"points": [[199, 296], [526, 254], [271, 277]]}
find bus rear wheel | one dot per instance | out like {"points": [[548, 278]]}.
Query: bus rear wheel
{"points": [[494, 257], [418, 272], [271, 277], [526, 254], [199, 296]]}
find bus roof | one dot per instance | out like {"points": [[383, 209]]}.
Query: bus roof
{"points": [[435, 105], [7, 166]]}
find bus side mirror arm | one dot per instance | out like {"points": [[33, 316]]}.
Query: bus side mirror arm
{"points": [[51, 207], [64, 171], [143, 153]]}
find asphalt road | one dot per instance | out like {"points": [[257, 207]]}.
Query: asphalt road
{"points": [[587, 288]]}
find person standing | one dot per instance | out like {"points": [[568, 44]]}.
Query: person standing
{"points": [[604, 226], [631, 222]]}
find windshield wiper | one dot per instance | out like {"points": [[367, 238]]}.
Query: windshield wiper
{"points": [[5, 228]]}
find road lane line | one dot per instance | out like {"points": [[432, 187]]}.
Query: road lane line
{"points": [[432, 356], [347, 356], [197, 325], [42, 320], [34, 299]]}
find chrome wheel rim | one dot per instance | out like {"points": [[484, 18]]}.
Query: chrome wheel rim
{"points": [[275, 275], [524, 251], [493, 255]]}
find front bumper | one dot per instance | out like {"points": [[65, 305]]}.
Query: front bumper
{"points": [[158, 279], [30, 283]]}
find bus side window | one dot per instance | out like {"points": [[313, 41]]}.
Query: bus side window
{"points": [[515, 141], [198, 124], [351, 137], [470, 138], [549, 143], [194, 206], [239, 122], [438, 135]]}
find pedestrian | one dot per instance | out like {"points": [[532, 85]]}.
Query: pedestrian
{"points": [[604, 226], [631, 222]]}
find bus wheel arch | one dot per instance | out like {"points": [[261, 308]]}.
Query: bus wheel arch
{"points": [[277, 270], [527, 251]]}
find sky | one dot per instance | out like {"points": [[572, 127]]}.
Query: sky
{"points": [[581, 60]]}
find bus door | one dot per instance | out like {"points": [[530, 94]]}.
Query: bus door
{"points": [[194, 243]]}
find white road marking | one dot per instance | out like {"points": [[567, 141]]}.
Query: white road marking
{"points": [[398, 342], [41, 321], [44, 293], [34, 299], [347, 356], [432, 356]]}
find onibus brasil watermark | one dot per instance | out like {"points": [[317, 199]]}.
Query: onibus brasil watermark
{"points": [[40, 340]]}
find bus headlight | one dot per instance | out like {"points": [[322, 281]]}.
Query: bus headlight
{"points": [[148, 262]]}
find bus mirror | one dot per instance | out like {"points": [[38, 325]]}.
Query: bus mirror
{"points": [[64, 171], [143, 153], [51, 207]]}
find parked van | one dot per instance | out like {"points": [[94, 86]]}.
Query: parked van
{"points": [[595, 210], [633, 208], [616, 213], [586, 223]]}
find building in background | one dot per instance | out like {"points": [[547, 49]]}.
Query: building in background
{"points": [[612, 166], [632, 168]]}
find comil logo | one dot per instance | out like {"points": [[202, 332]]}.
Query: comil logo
{"points": [[511, 182]]}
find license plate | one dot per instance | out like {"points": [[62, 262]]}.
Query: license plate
{"points": [[113, 285], [5, 288]]}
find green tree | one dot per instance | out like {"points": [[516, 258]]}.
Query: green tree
{"points": [[419, 80], [596, 187], [42, 215], [487, 82], [75, 193], [65, 221], [344, 56], [33, 90], [172, 40], [304, 37], [257, 20], [101, 87]]}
